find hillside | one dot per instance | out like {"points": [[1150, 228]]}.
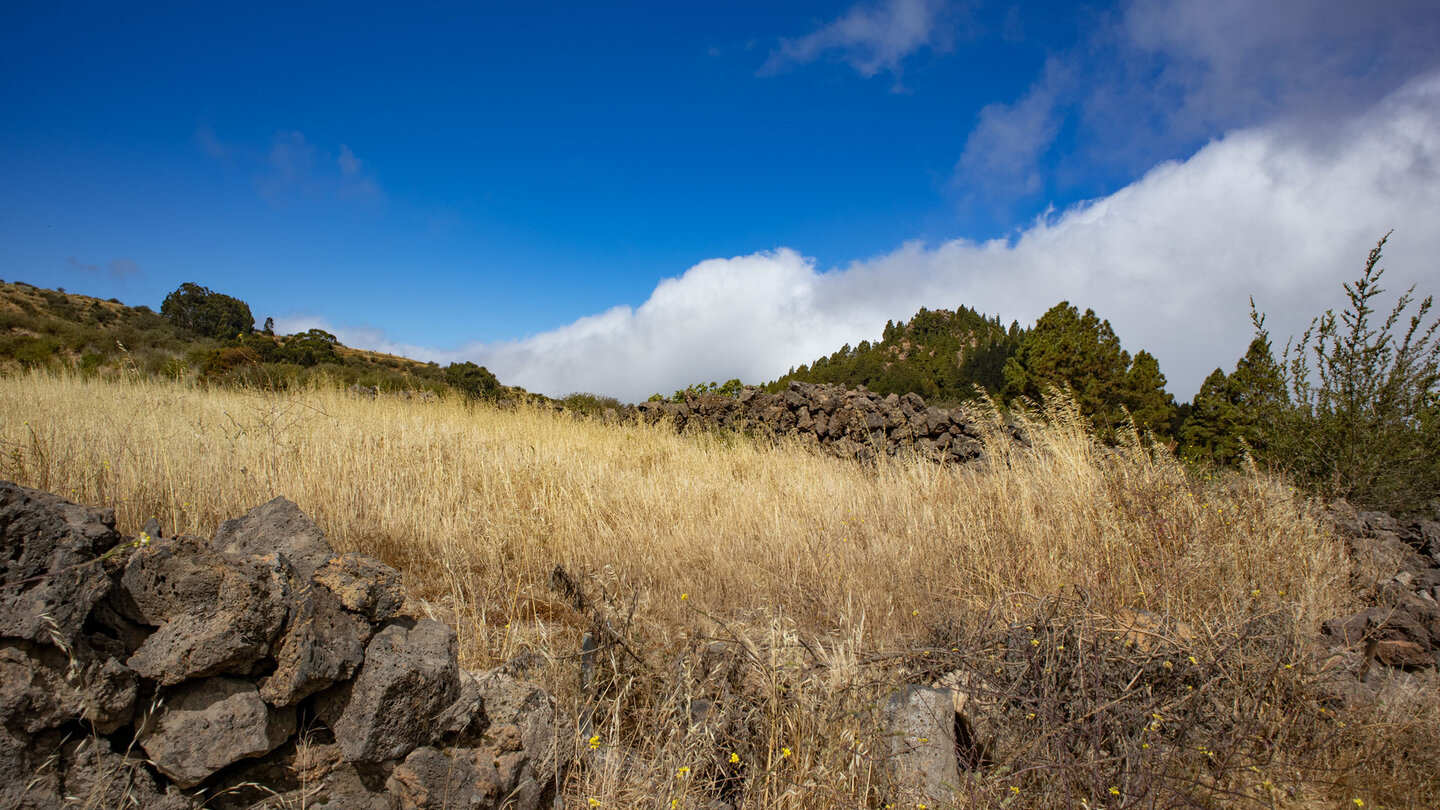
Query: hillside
{"points": [[940, 354], [55, 329], [1111, 628]]}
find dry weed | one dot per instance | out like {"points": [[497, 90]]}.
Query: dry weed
{"points": [[754, 603]]}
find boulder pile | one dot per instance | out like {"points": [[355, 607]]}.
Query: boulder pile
{"points": [[176, 672], [849, 423], [1401, 560]]}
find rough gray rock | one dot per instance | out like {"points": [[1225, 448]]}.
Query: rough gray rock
{"points": [[25, 782], [276, 527], [216, 614], [513, 764], [920, 723], [50, 549], [34, 694], [1402, 631], [206, 725], [40, 689], [322, 644], [409, 678], [96, 776], [363, 584], [524, 721], [430, 779]]}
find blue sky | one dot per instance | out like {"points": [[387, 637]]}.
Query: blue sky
{"points": [[629, 198]]}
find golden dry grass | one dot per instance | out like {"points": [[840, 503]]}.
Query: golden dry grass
{"points": [[792, 558]]}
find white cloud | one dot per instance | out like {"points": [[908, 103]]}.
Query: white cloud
{"points": [[1170, 260], [870, 38], [1163, 75], [1004, 149]]}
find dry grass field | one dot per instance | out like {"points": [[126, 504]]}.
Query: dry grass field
{"points": [[795, 591]]}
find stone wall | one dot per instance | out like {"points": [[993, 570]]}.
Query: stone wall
{"points": [[850, 423], [175, 672]]}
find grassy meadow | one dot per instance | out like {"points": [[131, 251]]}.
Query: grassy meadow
{"points": [[794, 591]]}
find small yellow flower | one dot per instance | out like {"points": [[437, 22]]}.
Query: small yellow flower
{"points": [[1030, 716], [684, 596], [924, 739], [595, 742], [1015, 790], [1358, 802], [1034, 642], [674, 803], [684, 769], [1194, 661], [734, 758], [594, 802], [914, 613], [784, 752], [1255, 593], [1114, 791], [1145, 745]]}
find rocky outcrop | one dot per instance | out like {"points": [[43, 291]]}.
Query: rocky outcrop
{"points": [[850, 423], [183, 672], [1399, 563]]}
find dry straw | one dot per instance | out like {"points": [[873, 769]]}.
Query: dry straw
{"points": [[826, 580]]}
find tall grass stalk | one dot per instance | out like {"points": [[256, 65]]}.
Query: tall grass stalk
{"points": [[826, 574]]}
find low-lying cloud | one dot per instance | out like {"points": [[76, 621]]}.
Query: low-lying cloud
{"points": [[1171, 260]]}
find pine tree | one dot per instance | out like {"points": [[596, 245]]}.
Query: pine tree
{"points": [[1145, 397], [1081, 352]]}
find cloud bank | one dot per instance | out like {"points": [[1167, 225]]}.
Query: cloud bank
{"points": [[1162, 76], [1171, 260]]}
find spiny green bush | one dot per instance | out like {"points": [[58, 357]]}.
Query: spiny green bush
{"points": [[1363, 414]]}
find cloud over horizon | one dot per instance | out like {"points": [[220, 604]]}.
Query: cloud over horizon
{"points": [[1171, 260]]}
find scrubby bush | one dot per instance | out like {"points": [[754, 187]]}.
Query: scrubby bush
{"points": [[1363, 420], [475, 382], [590, 404], [311, 348], [206, 313]]}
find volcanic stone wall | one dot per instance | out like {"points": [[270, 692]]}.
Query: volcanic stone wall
{"points": [[850, 423], [179, 672]]}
